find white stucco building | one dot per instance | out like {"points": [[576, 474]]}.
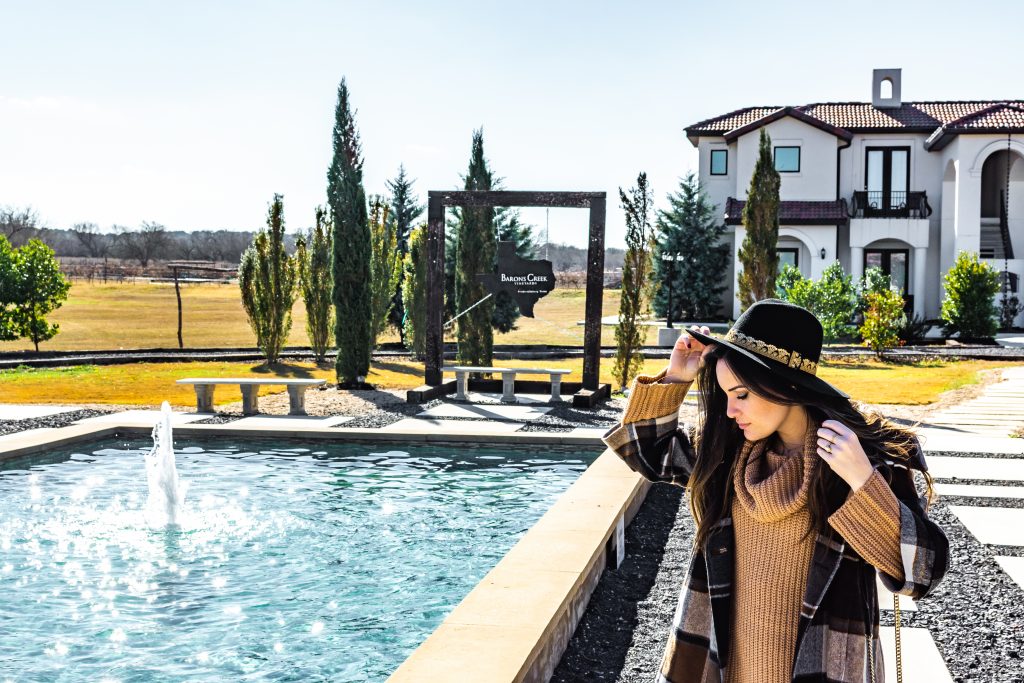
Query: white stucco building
{"points": [[901, 185]]}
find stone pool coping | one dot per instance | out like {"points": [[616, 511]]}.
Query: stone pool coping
{"points": [[517, 621]]}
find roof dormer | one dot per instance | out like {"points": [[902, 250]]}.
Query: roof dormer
{"points": [[885, 88]]}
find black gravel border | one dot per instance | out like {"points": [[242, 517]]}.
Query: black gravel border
{"points": [[58, 420], [217, 419], [975, 616], [622, 634]]}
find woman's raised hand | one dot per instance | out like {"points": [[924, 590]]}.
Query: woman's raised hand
{"points": [[687, 356]]}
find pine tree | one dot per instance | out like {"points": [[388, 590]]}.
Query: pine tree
{"points": [[314, 259], [475, 251], [690, 228], [629, 334], [267, 278], [405, 211], [761, 221], [350, 266]]}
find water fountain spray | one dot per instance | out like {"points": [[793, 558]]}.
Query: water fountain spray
{"points": [[166, 491]]}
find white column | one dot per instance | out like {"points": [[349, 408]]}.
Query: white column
{"points": [[919, 288], [857, 263], [967, 229]]}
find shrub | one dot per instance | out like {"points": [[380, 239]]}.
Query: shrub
{"points": [[968, 309], [1009, 308], [915, 329], [883, 320], [831, 299]]}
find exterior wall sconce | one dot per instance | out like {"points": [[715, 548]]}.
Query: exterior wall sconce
{"points": [[822, 252]]}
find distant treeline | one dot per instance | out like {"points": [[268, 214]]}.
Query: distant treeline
{"points": [[153, 242]]}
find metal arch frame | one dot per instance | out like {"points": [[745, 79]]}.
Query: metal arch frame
{"points": [[438, 201]]}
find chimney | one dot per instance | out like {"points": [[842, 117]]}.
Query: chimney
{"points": [[885, 88]]}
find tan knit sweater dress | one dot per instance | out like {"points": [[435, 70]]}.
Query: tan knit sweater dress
{"points": [[770, 518]]}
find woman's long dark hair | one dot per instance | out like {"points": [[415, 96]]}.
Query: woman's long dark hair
{"points": [[719, 440]]}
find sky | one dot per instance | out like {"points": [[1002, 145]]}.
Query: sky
{"points": [[193, 114]]}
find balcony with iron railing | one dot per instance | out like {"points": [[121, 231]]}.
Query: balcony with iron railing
{"points": [[880, 204]]}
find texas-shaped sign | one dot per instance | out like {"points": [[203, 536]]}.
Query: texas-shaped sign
{"points": [[524, 279]]}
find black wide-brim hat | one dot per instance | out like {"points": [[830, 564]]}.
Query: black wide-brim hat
{"points": [[782, 337]]}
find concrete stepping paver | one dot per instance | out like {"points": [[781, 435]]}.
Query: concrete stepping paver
{"points": [[949, 466], [953, 440], [978, 491], [1014, 567], [486, 411], [284, 421], [10, 411], [420, 425], [922, 662], [992, 525]]}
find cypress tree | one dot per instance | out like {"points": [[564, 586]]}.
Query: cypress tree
{"points": [[313, 254], [475, 251], [350, 266], [386, 265], [629, 334], [414, 291], [690, 228], [405, 211], [761, 220], [267, 278]]}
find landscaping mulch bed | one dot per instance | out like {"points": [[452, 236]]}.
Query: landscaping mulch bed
{"points": [[974, 616], [59, 420]]}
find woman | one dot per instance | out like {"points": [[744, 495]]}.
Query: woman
{"points": [[798, 497]]}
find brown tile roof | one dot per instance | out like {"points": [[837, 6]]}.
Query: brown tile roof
{"points": [[734, 119], [832, 212], [856, 117]]}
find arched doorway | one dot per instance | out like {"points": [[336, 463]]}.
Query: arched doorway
{"points": [[1002, 205]]}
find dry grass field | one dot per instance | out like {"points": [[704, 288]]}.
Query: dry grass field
{"points": [[145, 316], [147, 384]]}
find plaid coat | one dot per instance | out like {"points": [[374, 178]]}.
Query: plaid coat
{"points": [[839, 614]]}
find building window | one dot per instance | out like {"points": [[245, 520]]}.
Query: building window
{"points": [[719, 162], [787, 159], [788, 256], [893, 262], [887, 179]]}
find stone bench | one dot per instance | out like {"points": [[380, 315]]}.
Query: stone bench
{"points": [[250, 387], [508, 378]]}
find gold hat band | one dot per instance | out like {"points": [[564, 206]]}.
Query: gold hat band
{"points": [[790, 358]]}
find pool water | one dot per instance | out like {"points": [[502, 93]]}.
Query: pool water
{"points": [[324, 562]]}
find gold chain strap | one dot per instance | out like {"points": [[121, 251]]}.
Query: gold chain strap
{"points": [[899, 649]]}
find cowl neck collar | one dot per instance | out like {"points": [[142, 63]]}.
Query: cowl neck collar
{"points": [[772, 486]]}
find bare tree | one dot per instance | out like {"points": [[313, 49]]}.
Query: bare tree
{"points": [[92, 240], [143, 244], [18, 225]]}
